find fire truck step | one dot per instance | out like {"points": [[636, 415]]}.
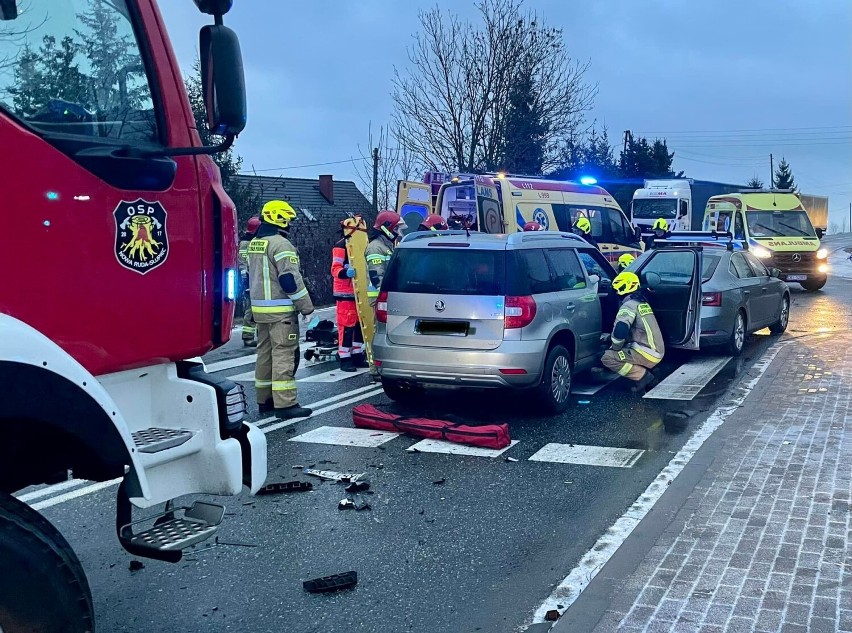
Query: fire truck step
{"points": [[199, 522], [155, 439]]}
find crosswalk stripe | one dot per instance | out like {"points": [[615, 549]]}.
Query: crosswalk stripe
{"points": [[590, 389], [344, 436], [587, 455], [450, 448], [335, 375]]}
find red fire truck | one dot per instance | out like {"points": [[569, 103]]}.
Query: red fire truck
{"points": [[118, 254]]}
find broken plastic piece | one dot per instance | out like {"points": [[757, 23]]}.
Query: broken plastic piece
{"points": [[359, 485], [511, 459], [136, 565], [552, 615], [439, 482], [285, 486], [331, 475], [353, 504], [334, 582]]}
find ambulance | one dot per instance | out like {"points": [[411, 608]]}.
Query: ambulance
{"points": [[774, 226], [498, 203]]}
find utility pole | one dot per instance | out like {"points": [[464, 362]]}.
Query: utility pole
{"points": [[628, 135], [771, 172], [376, 179]]}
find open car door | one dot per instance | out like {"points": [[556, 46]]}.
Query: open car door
{"points": [[413, 202], [671, 278]]}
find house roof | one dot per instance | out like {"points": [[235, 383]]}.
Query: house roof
{"points": [[304, 195]]}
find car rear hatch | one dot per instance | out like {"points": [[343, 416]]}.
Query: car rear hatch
{"points": [[446, 295]]}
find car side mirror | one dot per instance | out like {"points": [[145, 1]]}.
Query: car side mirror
{"points": [[223, 80], [652, 280], [594, 279], [775, 272], [820, 233], [637, 234]]}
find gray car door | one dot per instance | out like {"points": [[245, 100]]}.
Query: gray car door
{"points": [[578, 302], [749, 288], [769, 292]]}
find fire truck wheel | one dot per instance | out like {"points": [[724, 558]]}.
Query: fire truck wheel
{"points": [[42, 585]]}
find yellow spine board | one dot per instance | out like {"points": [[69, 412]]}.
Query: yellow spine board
{"points": [[356, 248]]}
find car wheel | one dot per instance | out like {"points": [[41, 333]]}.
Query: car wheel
{"points": [[813, 285], [554, 392], [738, 335], [401, 392], [783, 317]]}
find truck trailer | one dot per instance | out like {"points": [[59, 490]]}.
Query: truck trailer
{"points": [[679, 201]]}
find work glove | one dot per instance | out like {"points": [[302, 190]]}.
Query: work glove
{"points": [[350, 272]]}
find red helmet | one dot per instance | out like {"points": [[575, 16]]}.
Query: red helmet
{"points": [[388, 222], [433, 222], [533, 226], [252, 225]]}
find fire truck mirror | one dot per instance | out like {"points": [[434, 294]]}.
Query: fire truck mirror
{"points": [[224, 82], [8, 9], [214, 7]]}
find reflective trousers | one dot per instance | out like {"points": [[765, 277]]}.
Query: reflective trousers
{"points": [[350, 340], [249, 326], [628, 363], [277, 361]]}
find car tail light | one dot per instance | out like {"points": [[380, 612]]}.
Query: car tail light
{"points": [[382, 308], [711, 299], [510, 371], [519, 312]]}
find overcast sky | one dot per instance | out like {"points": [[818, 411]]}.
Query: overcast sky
{"points": [[727, 82]]}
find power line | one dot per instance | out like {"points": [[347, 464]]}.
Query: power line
{"points": [[763, 130], [333, 162]]}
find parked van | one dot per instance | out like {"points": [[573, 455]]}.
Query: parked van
{"points": [[503, 204], [774, 226]]}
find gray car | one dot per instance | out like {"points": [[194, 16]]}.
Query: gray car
{"points": [[739, 295]]}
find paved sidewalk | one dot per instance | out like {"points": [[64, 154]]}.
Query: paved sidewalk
{"points": [[760, 538]]}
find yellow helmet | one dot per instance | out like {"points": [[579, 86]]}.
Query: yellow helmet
{"points": [[660, 223], [625, 283], [278, 212], [625, 260], [583, 224]]}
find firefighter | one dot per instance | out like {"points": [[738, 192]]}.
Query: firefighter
{"points": [[350, 340], [636, 343], [583, 228], [278, 295], [624, 261], [382, 241], [433, 222], [659, 231], [533, 226], [249, 326]]}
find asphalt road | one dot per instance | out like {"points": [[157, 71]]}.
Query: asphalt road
{"points": [[478, 552]]}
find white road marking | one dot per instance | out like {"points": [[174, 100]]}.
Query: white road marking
{"points": [[49, 490], [331, 407], [222, 365], [587, 455], [74, 494], [575, 582], [689, 379], [343, 436], [590, 389], [451, 448], [335, 375]]}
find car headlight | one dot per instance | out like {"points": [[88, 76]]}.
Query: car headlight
{"points": [[822, 253], [763, 253]]}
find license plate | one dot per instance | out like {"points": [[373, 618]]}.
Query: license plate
{"points": [[451, 328], [797, 277]]}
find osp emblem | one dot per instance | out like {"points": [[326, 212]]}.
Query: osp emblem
{"points": [[440, 306], [796, 257], [540, 216], [141, 240]]}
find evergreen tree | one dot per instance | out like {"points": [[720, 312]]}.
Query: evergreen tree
{"points": [[641, 159], [247, 202], [46, 74], [754, 183], [525, 134], [784, 176]]}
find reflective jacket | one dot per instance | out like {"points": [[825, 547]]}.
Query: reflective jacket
{"points": [[378, 254], [242, 261], [636, 327], [273, 264], [342, 283]]}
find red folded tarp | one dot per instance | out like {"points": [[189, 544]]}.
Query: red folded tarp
{"points": [[496, 436]]}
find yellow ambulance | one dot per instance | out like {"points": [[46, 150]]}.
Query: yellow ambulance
{"points": [[775, 227], [504, 203]]}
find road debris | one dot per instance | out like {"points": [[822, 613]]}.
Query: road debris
{"points": [[552, 615], [234, 544], [335, 582], [136, 565], [279, 487], [439, 482], [330, 475], [511, 459], [359, 485], [353, 504]]}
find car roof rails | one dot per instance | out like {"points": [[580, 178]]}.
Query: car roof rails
{"points": [[422, 235], [530, 236]]}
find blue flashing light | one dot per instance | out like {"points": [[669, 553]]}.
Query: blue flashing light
{"points": [[52, 195], [230, 284], [588, 180]]}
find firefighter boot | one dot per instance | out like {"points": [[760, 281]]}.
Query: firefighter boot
{"points": [[249, 342], [645, 384], [347, 365], [360, 361], [291, 413], [265, 407]]}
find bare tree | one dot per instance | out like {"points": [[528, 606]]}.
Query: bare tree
{"points": [[453, 100], [833, 228], [396, 162]]}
